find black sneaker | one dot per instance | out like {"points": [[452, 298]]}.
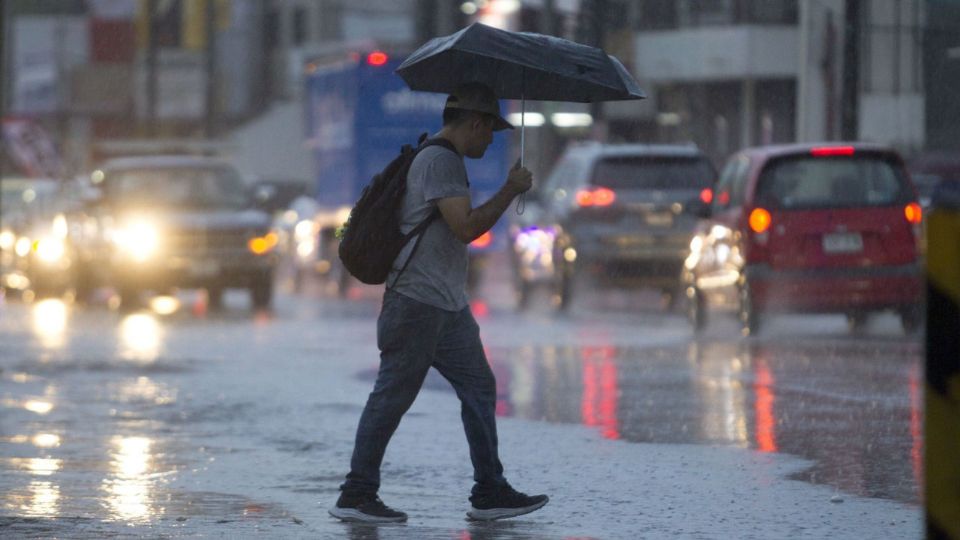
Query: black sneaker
{"points": [[504, 503], [365, 509]]}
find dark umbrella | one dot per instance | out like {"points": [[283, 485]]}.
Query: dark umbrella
{"points": [[519, 65]]}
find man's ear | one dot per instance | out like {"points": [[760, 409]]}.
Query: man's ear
{"points": [[479, 121]]}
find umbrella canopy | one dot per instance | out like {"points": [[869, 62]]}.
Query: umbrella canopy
{"points": [[519, 65]]}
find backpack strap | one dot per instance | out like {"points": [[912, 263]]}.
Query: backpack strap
{"points": [[418, 231]]}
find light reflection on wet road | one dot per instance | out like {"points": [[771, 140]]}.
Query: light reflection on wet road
{"points": [[97, 418], [852, 406]]}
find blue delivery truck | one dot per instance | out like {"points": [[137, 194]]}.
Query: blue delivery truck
{"points": [[359, 114]]}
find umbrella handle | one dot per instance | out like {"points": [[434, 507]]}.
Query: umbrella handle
{"points": [[522, 202], [523, 124]]}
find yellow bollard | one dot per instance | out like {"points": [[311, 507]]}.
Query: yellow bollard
{"points": [[942, 389]]}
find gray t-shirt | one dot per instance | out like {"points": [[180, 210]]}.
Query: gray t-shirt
{"points": [[437, 273]]}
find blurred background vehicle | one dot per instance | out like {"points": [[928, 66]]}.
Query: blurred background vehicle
{"points": [[294, 89], [35, 254], [809, 228], [617, 213], [166, 222]]}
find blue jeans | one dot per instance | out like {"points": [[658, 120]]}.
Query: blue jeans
{"points": [[413, 337]]}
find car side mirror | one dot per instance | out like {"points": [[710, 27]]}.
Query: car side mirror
{"points": [[262, 195]]}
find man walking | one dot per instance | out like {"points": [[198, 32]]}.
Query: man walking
{"points": [[426, 321]]}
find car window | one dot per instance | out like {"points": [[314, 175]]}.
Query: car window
{"points": [[209, 187], [653, 172], [732, 184], [811, 182], [563, 181]]}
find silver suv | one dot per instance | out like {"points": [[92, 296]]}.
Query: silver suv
{"points": [[621, 214]]}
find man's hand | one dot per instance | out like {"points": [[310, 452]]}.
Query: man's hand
{"points": [[469, 223], [519, 180]]}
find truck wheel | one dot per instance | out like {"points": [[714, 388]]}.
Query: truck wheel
{"points": [[261, 292], [748, 312], [696, 310]]}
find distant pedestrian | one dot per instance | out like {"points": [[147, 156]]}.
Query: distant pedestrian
{"points": [[426, 321]]}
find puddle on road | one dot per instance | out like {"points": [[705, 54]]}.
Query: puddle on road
{"points": [[851, 407], [122, 480]]}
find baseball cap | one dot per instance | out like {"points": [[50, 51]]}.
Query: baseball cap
{"points": [[478, 97]]}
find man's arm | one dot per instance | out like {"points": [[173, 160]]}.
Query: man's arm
{"points": [[469, 223]]}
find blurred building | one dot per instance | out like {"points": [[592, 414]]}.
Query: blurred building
{"points": [[728, 74], [722, 73], [941, 62]]}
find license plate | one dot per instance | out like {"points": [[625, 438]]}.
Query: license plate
{"points": [[842, 243], [659, 219], [204, 268]]}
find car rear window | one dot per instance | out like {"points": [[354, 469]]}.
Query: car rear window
{"points": [[838, 181], [649, 172]]}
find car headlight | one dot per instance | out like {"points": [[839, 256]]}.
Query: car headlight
{"points": [[22, 246], [138, 239], [7, 239], [304, 230], [49, 249]]}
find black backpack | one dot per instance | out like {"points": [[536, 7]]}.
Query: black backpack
{"points": [[371, 239]]}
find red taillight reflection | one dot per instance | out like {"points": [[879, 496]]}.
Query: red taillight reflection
{"points": [[482, 241], [759, 220], [826, 151], [601, 390], [913, 213], [765, 399], [706, 195], [377, 58], [596, 197]]}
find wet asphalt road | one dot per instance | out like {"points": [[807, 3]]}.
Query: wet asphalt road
{"points": [[100, 410]]}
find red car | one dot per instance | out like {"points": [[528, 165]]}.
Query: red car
{"points": [[822, 228]]}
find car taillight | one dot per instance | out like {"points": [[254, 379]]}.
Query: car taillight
{"points": [[913, 213], [377, 58], [706, 195], [482, 241], [596, 197], [759, 220], [827, 151]]}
